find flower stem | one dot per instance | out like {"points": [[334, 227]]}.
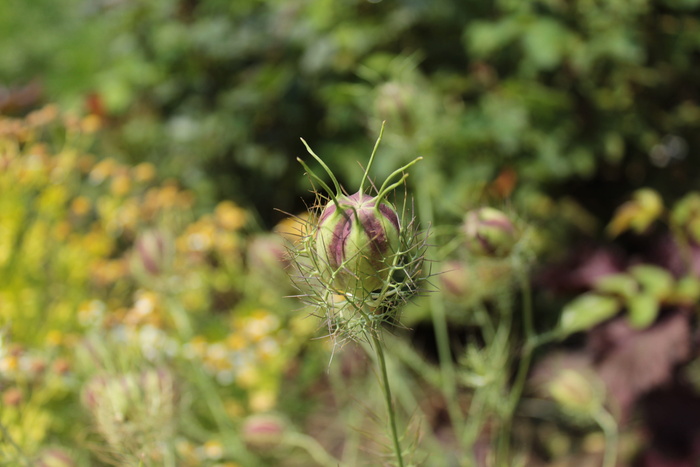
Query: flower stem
{"points": [[325, 167], [379, 351], [523, 367], [317, 452], [371, 159], [609, 426], [448, 380]]}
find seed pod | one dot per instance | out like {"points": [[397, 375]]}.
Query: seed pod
{"points": [[575, 391], [152, 255], [263, 432], [456, 279], [356, 243], [489, 232]]}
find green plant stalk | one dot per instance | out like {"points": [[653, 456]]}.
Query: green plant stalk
{"points": [[448, 379], [218, 411], [386, 387], [607, 423], [523, 367], [180, 318], [312, 447], [378, 349], [11, 442]]}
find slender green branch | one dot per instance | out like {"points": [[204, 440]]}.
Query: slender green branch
{"points": [[371, 159], [439, 318], [323, 184], [378, 349], [317, 452], [609, 426], [523, 367], [386, 188], [11, 442], [325, 167]]}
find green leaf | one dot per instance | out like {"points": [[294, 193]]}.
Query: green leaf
{"points": [[544, 42], [642, 310], [655, 280], [620, 284], [586, 311], [687, 291]]}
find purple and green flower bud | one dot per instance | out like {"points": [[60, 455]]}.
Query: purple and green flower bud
{"points": [[153, 254], [489, 232], [360, 261], [263, 432], [356, 240]]}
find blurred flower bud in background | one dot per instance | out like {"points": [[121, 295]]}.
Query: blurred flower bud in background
{"points": [[263, 431], [133, 412], [455, 279], [489, 232], [267, 259], [152, 255]]}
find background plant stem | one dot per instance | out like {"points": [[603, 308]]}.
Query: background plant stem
{"points": [[523, 367], [609, 426]]}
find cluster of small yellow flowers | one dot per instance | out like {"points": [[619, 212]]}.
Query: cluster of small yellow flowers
{"points": [[98, 249], [214, 233], [195, 455], [244, 356], [145, 310]]}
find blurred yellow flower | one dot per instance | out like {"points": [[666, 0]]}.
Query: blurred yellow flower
{"points": [[262, 401], [121, 185], [90, 123], [144, 172], [236, 341], [293, 228], [54, 337], [230, 216], [248, 375], [80, 206], [213, 449], [102, 170]]}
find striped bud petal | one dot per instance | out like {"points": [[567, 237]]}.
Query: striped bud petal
{"points": [[489, 232], [356, 242]]}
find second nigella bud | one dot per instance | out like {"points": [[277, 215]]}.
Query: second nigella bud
{"points": [[356, 240], [489, 232]]}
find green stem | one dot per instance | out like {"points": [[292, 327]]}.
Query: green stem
{"points": [[218, 412], [11, 442], [325, 167], [379, 351], [312, 447], [371, 159], [523, 367], [180, 317], [609, 426], [437, 307], [384, 189], [333, 196]]}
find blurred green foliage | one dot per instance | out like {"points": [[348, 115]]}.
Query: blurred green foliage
{"points": [[219, 92], [552, 110]]}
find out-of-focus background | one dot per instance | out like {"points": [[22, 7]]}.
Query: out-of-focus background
{"points": [[148, 187]]}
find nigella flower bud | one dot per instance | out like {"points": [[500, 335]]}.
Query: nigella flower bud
{"points": [[263, 432], [357, 238], [152, 255], [489, 232]]}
